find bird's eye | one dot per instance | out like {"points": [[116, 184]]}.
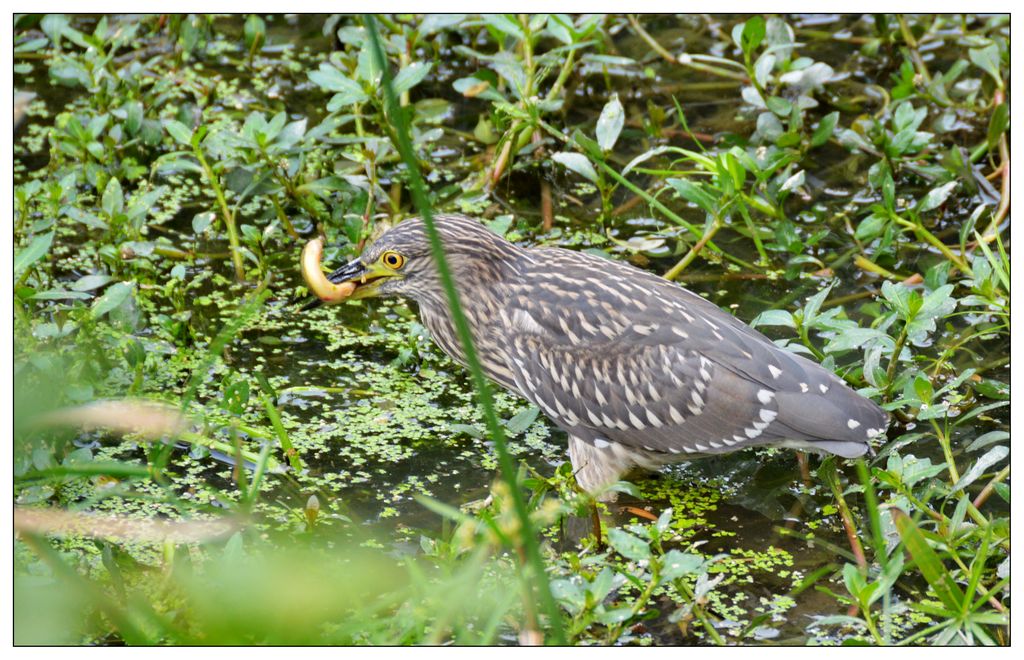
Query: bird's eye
{"points": [[393, 260]]}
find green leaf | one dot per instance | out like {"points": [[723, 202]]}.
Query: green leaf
{"points": [[113, 298], [602, 584], [855, 583], [814, 303], [937, 303], [255, 32], [349, 92], [177, 164], [613, 616], [650, 153], [676, 564], [794, 182], [779, 106], [113, 198], [60, 294], [695, 193], [505, 24], [570, 594], [522, 420], [825, 128], [870, 227], [997, 124], [181, 133], [763, 68], [931, 567], [987, 59], [35, 251], [991, 457], [576, 162], [899, 297], [750, 35], [888, 190], [628, 545], [609, 124], [987, 439], [935, 197], [467, 429], [90, 282], [133, 117], [774, 317], [202, 221], [411, 76], [54, 25]]}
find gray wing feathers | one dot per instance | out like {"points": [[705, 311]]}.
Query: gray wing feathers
{"points": [[641, 362]]}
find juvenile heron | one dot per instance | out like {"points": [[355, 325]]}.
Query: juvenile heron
{"points": [[638, 371]]}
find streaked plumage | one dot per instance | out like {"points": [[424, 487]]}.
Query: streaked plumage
{"points": [[636, 369]]}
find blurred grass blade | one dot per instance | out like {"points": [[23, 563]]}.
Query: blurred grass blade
{"points": [[153, 420], [528, 538], [934, 572], [57, 522]]}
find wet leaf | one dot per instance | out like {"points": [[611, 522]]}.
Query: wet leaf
{"points": [[987, 59], [181, 133], [676, 564], [763, 68], [998, 124], [627, 545], [779, 106], [113, 198], [133, 117], [35, 251], [794, 182], [113, 298], [578, 163], [696, 193], [870, 227], [825, 129], [505, 24], [774, 317], [928, 562], [90, 282], [610, 123], [411, 75], [935, 197], [255, 33], [202, 221], [522, 420], [750, 34], [990, 458]]}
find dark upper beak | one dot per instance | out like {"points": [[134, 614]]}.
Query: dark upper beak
{"points": [[350, 271]]}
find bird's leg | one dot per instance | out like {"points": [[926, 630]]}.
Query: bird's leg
{"points": [[805, 468]]}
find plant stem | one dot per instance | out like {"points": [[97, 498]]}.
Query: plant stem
{"points": [[890, 372], [229, 218], [694, 250], [915, 55], [527, 538], [989, 488], [650, 41]]}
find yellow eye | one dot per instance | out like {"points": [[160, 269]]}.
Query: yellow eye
{"points": [[392, 260]]}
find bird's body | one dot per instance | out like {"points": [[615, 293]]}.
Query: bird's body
{"points": [[637, 370]]}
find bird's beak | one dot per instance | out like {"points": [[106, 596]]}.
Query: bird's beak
{"points": [[367, 279]]}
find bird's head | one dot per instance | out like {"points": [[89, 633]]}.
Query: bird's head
{"points": [[401, 263]]}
